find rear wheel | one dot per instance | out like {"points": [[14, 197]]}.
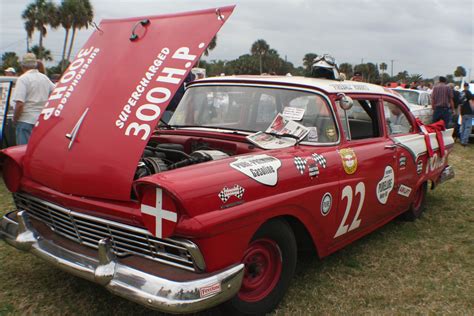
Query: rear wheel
{"points": [[270, 261], [418, 205]]}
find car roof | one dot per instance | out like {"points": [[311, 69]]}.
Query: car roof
{"points": [[329, 86], [8, 79]]}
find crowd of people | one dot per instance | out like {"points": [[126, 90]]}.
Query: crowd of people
{"points": [[454, 107]]}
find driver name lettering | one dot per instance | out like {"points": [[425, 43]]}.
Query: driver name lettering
{"points": [[139, 122]]}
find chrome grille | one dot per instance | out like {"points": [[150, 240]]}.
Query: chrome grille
{"points": [[88, 230]]}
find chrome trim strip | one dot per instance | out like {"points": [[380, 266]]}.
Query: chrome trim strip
{"points": [[156, 292]]}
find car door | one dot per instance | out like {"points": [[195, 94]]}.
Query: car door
{"points": [[367, 169], [406, 166]]}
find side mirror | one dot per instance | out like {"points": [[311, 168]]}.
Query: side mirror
{"points": [[345, 102]]}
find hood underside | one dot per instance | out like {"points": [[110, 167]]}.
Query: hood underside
{"points": [[98, 120]]}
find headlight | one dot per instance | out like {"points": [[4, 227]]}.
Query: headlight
{"points": [[159, 211]]}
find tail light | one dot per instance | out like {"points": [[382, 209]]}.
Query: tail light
{"points": [[158, 210]]}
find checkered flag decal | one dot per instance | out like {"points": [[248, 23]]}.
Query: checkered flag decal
{"points": [[240, 193], [320, 160], [226, 193], [300, 164]]}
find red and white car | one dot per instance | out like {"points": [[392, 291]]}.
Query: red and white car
{"points": [[197, 213]]}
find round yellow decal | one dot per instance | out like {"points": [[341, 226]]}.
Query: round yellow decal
{"points": [[349, 160]]}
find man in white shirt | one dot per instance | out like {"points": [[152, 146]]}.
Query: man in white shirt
{"points": [[32, 90]]}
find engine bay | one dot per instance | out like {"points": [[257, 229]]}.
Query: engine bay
{"points": [[162, 157]]}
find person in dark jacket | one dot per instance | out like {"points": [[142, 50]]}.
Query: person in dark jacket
{"points": [[467, 114]]}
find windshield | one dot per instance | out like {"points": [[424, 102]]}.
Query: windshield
{"points": [[253, 109], [410, 96]]}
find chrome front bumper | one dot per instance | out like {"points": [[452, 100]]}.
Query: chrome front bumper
{"points": [[147, 289]]}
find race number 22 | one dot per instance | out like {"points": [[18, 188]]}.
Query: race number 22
{"points": [[348, 194]]}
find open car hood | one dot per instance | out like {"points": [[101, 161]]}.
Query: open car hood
{"points": [[98, 120]]}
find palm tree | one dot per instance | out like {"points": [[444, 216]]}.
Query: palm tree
{"points": [[211, 46], [383, 67], [260, 48], [308, 61], [346, 69], [42, 53], [37, 16], [81, 17], [65, 16]]}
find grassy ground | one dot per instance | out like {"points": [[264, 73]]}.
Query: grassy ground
{"points": [[424, 267]]}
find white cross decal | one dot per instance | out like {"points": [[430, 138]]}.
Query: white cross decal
{"points": [[159, 213]]}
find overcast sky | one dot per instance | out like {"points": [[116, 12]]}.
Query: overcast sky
{"points": [[430, 37]]}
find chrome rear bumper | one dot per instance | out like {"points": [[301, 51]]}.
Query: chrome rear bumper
{"points": [[446, 174], [147, 289]]}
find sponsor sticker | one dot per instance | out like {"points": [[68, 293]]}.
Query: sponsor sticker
{"points": [[349, 160], [209, 290], [385, 186], [312, 135], [326, 203], [402, 162], [227, 193], [261, 168], [331, 133], [404, 190], [291, 113], [312, 163]]}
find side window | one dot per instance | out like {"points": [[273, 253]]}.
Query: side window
{"points": [[396, 121], [361, 121]]}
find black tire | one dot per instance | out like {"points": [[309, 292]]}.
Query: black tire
{"points": [[280, 232], [418, 205]]}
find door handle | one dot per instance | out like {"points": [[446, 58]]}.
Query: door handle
{"points": [[392, 146]]}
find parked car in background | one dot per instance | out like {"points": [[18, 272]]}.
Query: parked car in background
{"points": [[419, 102], [212, 207], [7, 130]]}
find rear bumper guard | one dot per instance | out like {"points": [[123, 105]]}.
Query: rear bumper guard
{"points": [[150, 290]]}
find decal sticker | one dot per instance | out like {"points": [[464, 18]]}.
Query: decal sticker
{"points": [[300, 164], [349, 160], [291, 113], [435, 162], [312, 162], [312, 135], [209, 290], [227, 193], [161, 218], [313, 169], [261, 168], [348, 194], [402, 162], [404, 190], [326, 203], [319, 159], [419, 167], [331, 133], [385, 186]]}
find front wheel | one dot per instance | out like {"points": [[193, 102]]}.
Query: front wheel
{"points": [[270, 261], [418, 205]]}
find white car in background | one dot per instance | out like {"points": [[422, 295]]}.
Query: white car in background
{"points": [[419, 102]]}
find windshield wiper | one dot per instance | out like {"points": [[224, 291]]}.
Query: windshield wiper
{"points": [[233, 130], [298, 140]]}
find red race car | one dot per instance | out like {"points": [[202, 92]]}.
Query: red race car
{"points": [[212, 206]]}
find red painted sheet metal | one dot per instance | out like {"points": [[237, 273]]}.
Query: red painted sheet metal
{"points": [[93, 130]]}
